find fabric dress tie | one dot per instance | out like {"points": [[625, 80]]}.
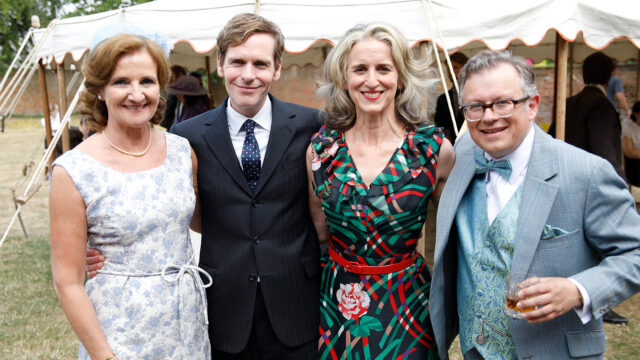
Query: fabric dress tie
{"points": [[502, 167], [250, 155]]}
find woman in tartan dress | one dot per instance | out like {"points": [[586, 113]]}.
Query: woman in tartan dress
{"points": [[372, 168]]}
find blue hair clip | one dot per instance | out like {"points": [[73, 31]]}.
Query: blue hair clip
{"points": [[108, 31]]}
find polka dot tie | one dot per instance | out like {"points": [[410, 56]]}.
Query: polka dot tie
{"points": [[250, 155]]}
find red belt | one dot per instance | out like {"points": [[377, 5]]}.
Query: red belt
{"points": [[357, 268]]}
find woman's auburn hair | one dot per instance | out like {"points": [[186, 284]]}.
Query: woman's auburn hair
{"points": [[415, 77], [101, 64]]}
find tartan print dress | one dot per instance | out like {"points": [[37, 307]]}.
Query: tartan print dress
{"points": [[375, 316]]}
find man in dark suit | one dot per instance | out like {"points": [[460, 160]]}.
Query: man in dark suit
{"points": [[592, 123], [258, 242]]}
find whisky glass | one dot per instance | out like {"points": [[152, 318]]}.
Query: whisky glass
{"points": [[515, 283]]}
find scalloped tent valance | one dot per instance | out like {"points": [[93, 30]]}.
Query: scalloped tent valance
{"points": [[311, 26]]}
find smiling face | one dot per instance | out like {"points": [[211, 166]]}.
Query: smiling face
{"points": [[133, 92], [372, 78], [499, 136], [248, 71]]}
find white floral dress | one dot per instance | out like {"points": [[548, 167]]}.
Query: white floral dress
{"points": [[149, 297]]}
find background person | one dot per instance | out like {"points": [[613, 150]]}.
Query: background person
{"points": [[193, 97], [130, 194], [615, 90], [172, 110], [631, 145], [592, 123], [519, 201], [372, 168], [54, 117], [85, 127], [443, 116]]}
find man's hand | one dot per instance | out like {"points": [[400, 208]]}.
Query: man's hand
{"points": [[95, 262], [552, 296]]}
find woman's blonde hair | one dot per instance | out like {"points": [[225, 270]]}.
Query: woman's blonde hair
{"points": [[100, 65], [415, 76]]}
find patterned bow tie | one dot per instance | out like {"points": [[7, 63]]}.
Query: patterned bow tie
{"points": [[502, 167]]}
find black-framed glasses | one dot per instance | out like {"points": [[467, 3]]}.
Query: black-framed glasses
{"points": [[502, 108]]}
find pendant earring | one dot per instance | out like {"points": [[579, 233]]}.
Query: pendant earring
{"points": [[99, 97]]}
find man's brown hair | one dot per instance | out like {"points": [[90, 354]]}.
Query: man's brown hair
{"points": [[241, 27]]}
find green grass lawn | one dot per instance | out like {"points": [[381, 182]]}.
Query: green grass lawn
{"points": [[32, 325]]}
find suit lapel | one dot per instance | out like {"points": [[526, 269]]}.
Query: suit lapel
{"points": [[218, 140], [279, 139], [538, 196], [455, 188]]}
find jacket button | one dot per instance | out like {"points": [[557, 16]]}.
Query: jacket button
{"points": [[252, 277], [256, 240], [254, 203]]}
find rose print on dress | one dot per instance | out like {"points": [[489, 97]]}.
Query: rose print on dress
{"points": [[353, 302]]}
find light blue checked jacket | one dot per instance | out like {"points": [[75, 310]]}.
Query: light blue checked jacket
{"points": [[596, 242]]}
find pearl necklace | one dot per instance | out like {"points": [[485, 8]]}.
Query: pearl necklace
{"points": [[136, 154]]}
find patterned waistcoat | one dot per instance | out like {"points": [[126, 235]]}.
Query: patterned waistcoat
{"points": [[484, 259]]}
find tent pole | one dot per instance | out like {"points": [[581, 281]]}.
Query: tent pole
{"points": [[561, 85], [62, 99], [570, 74], [209, 85], [638, 77], [442, 79], [45, 102]]}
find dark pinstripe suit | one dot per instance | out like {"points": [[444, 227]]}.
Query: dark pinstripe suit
{"points": [[268, 234]]}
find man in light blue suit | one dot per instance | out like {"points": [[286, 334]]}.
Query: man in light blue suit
{"points": [[518, 200]]}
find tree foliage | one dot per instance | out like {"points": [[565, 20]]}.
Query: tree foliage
{"points": [[85, 7], [15, 19]]}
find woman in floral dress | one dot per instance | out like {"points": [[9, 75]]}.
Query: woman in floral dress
{"points": [[129, 191], [372, 168]]}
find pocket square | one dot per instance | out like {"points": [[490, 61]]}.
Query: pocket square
{"points": [[550, 232]]}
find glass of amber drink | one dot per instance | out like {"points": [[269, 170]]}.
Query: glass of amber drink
{"points": [[515, 283]]}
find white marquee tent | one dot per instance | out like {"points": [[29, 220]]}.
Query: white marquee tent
{"points": [[310, 25]]}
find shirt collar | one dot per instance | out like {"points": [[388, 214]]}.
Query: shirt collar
{"points": [[262, 118], [600, 87], [519, 158]]}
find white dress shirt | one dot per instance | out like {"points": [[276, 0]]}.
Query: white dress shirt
{"points": [[262, 129], [500, 190]]}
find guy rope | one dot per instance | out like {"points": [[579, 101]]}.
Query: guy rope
{"points": [[32, 187]]}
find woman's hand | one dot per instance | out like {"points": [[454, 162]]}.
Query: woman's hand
{"points": [[95, 261]]}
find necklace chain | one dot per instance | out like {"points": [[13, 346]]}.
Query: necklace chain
{"points": [[130, 153]]}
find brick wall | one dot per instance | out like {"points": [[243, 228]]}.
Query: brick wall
{"points": [[297, 84], [31, 102]]}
